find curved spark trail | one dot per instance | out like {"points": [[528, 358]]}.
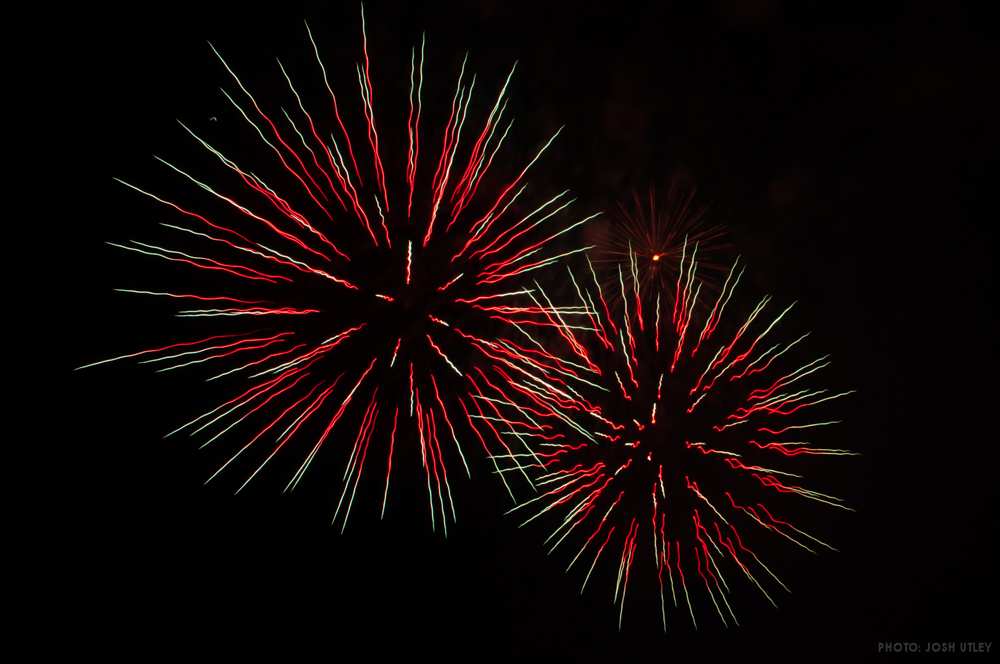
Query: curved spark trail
{"points": [[674, 436], [376, 286]]}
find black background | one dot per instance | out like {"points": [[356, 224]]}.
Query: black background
{"points": [[846, 149]]}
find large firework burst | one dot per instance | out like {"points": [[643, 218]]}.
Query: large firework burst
{"points": [[369, 286], [671, 435]]}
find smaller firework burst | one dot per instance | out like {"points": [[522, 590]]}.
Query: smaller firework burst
{"points": [[654, 229], [672, 434]]}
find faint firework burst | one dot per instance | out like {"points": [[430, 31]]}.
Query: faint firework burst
{"points": [[367, 284], [671, 435], [654, 228]]}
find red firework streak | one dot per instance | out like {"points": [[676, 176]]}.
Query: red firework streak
{"points": [[389, 282], [655, 438]]}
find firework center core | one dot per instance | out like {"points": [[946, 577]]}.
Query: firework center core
{"points": [[663, 441]]}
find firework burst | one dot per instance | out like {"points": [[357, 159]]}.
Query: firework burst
{"points": [[671, 436], [654, 229], [364, 288]]}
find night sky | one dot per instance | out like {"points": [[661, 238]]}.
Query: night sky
{"points": [[846, 150]]}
